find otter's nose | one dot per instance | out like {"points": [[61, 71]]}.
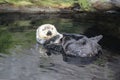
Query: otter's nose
{"points": [[49, 33]]}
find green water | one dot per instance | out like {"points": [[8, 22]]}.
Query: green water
{"points": [[19, 29]]}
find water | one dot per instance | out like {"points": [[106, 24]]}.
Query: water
{"points": [[19, 59]]}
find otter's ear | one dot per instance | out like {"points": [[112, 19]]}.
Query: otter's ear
{"points": [[97, 38]]}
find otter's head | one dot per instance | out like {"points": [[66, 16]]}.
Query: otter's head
{"points": [[47, 31]]}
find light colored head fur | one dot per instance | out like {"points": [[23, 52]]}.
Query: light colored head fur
{"points": [[45, 32]]}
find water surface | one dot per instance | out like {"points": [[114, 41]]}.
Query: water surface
{"points": [[21, 61]]}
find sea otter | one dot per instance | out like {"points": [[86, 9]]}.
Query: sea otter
{"points": [[75, 45], [46, 32]]}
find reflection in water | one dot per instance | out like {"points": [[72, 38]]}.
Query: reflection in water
{"points": [[17, 36], [5, 41]]}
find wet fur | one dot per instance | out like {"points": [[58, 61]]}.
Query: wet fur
{"points": [[41, 33], [71, 39]]}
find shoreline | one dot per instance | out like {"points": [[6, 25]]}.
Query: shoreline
{"points": [[33, 9], [8, 8]]}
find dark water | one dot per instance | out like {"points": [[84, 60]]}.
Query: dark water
{"points": [[19, 59]]}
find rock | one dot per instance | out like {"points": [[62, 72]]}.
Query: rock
{"points": [[116, 3], [102, 4], [76, 7]]}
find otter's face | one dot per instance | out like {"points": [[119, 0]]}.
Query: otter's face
{"points": [[47, 31]]}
